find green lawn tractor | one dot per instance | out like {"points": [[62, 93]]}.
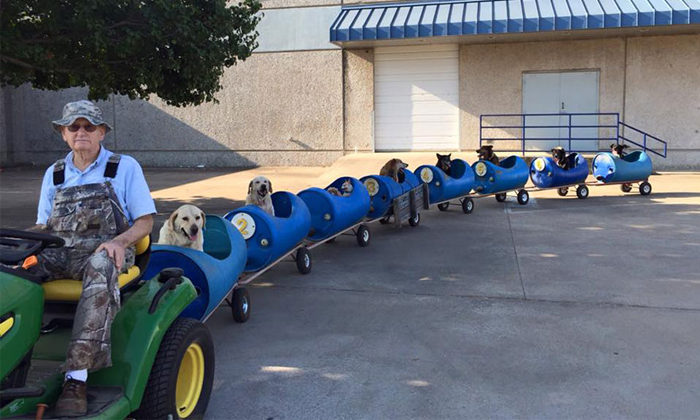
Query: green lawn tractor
{"points": [[163, 365]]}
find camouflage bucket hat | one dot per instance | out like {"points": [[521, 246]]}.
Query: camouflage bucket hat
{"points": [[80, 109]]}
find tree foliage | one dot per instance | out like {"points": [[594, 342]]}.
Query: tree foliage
{"points": [[176, 49]]}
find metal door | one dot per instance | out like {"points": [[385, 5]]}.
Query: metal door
{"points": [[560, 93]]}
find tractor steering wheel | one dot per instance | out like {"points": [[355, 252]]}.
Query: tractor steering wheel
{"points": [[16, 245]]}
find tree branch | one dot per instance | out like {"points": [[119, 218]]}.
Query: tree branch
{"points": [[28, 65]]}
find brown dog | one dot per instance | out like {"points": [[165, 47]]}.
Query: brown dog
{"points": [[392, 168]]}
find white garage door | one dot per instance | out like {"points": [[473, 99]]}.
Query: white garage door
{"points": [[416, 98]]}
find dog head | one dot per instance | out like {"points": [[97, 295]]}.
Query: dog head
{"points": [[187, 221], [558, 154], [259, 188], [444, 162], [618, 149], [347, 186], [397, 164], [485, 152]]}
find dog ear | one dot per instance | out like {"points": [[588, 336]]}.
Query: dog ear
{"points": [[271, 191], [450, 155], [204, 220], [612, 145], [438, 155], [172, 219], [250, 187]]}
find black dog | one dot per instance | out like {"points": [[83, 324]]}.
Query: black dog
{"points": [[560, 158], [486, 153], [444, 162], [618, 149]]}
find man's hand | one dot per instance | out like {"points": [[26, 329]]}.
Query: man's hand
{"points": [[115, 251]]}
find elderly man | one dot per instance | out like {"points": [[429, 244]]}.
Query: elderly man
{"points": [[100, 204]]}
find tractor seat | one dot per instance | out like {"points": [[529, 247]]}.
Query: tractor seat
{"points": [[69, 290]]}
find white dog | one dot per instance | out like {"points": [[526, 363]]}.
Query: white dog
{"points": [[184, 228], [259, 191]]}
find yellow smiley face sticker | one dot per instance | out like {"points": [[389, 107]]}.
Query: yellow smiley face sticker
{"points": [[480, 169], [372, 186], [539, 164], [426, 174]]}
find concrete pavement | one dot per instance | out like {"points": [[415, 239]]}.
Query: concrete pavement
{"points": [[563, 308]]}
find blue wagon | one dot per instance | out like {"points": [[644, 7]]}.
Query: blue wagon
{"points": [[214, 272], [632, 168], [443, 188], [333, 215], [399, 199], [546, 174], [510, 175], [270, 239]]}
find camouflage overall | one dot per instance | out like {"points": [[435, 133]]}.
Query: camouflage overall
{"points": [[87, 216]]}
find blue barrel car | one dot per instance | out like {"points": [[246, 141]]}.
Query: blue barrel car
{"points": [[545, 173], [271, 238], [442, 187], [632, 168], [511, 174], [383, 190], [214, 272], [332, 214]]}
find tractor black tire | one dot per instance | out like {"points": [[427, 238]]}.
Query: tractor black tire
{"points": [[240, 305], [159, 398]]}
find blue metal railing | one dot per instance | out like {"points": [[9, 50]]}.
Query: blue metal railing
{"points": [[571, 125]]}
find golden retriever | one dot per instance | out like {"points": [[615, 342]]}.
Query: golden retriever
{"points": [[392, 169], [259, 191], [184, 228]]}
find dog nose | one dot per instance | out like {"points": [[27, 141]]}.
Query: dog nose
{"points": [[194, 229], [263, 187]]}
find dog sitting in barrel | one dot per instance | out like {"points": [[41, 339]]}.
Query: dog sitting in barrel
{"points": [[344, 191], [394, 169], [486, 153], [618, 150], [444, 162], [560, 157]]}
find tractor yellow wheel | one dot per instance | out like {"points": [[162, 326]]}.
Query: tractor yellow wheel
{"points": [[190, 379]]}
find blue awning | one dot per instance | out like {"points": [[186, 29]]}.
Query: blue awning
{"points": [[442, 18]]}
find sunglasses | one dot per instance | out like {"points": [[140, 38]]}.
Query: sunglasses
{"points": [[73, 128]]}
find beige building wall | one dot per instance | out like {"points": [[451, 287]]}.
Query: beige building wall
{"points": [[359, 100], [491, 77], [663, 95]]}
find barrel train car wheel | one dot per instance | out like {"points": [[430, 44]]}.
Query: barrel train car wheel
{"points": [[303, 260], [363, 236], [626, 188], [645, 188], [182, 375], [414, 220], [467, 205], [563, 191], [523, 197], [240, 305], [501, 197], [582, 192], [443, 206]]}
